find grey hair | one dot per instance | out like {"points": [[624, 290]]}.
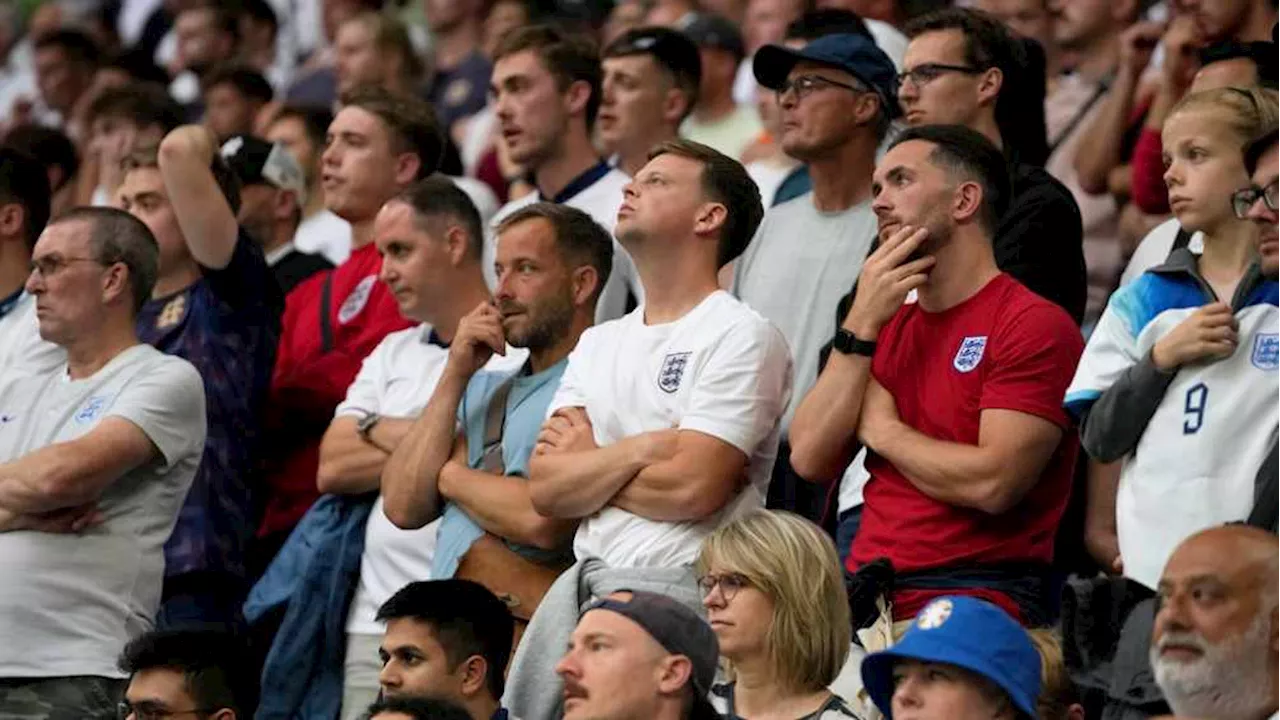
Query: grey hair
{"points": [[115, 236]]}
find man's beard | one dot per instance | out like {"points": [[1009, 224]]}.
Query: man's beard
{"points": [[547, 322], [1227, 681]]}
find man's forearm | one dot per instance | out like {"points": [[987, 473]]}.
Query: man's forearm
{"points": [[501, 505], [574, 485], [410, 494], [953, 473], [40, 482], [349, 465], [823, 433]]}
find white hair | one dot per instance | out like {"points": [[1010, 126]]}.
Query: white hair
{"points": [[1227, 681]]}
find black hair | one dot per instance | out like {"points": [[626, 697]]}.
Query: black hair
{"points": [[969, 155], [988, 43], [261, 11], [725, 181], [579, 238], [226, 16], [439, 197], [465, 618], [1256, 148], [672, 50], [1261, 54], [248, 82], [137, 66], [215, 665], [418, 708], [78, 46], [828, 21], [142, 104], [23, 181], [50, 146]]}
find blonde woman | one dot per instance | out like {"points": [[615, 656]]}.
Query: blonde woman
{"points": [[775, 598]]}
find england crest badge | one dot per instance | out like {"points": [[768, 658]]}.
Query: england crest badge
{"points": [[672, 371], [355, 302], [970, 353], [1266, 351]]}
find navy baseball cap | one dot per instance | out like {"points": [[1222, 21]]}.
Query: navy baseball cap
{"points": [[675, 627], [857, 55], [967, 633]]}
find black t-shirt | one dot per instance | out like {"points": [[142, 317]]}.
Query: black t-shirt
{"points": [[296, 267], [1040, 240]]}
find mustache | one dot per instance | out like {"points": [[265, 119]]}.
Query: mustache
{"points": [[573, 690], [1183, 639], [510, 307]]}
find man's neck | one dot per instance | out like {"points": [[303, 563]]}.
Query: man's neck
{"points": [[482, 707], [1099, 59], [1257, 27], [985, 123], [282, 235], [456, 44], [91, 354], [576, 156], [176, 280], [361, 233], [467, 297], [675, 284], [715, 108], [636, 155], [15, 265], [842, 179], [962, 268], [315, 201]]}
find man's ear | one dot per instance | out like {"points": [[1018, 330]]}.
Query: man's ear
{"points": [[577, 96], [407, 166], [711, 217], [966, 201], [584, 284], [116, 282], [674, 673], [456, 245], [989, 85], [474, 672], [225, 714], [12, 216], [675, 105]]}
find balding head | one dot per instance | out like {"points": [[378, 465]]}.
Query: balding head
{"points": [[1214, 645]]}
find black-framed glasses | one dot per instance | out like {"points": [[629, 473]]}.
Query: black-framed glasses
{"points": [[1242, 201], [52, 264], [923, 74], [148, 711], [729, 584], [805, 85]]}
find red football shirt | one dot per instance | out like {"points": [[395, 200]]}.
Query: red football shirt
{"points": [[1004, 348], [309, 382]]}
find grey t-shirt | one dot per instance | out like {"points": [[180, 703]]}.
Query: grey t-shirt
{"points": [[796, 269], [69, 603]]}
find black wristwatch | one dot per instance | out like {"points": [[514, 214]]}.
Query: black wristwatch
{"points": [[364, 426], [849, 344]]}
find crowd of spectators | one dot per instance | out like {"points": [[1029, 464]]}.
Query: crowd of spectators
{"points": [[621, 359]]}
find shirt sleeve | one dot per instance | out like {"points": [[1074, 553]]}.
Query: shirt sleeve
{"points": [[1035, 355], [572, 391], [743, 388], [1146, 173], [365, 394], [246, 283], [167, 402]]}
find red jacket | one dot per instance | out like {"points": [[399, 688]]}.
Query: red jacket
{"points": [[310, 380]]}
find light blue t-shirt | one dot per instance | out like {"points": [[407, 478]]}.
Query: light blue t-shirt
{"points": [[526, 410]]}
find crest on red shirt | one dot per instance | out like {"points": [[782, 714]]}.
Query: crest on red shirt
{"points": [[970, 353], [355, 302]]}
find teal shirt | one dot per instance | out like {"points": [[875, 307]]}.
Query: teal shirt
{"points": [[526, 410]]}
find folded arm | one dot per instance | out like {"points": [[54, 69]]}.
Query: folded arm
{"points": [[350, 465], [703, 475], [76, 472], [501, 504]]}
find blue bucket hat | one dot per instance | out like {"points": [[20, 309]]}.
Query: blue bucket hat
{"points": [[855, 54], [967, 633]]}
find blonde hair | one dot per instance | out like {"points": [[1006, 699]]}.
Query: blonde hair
{"points": [[1057, 692], [792, 561], [1248, 112]]}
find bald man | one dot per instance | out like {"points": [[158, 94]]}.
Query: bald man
{"points": [[1214, 645]]}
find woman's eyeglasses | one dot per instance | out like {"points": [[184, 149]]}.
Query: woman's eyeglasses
{"points": [[729, 584]]}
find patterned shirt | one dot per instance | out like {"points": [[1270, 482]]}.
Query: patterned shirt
{"points": [[227, 324]]}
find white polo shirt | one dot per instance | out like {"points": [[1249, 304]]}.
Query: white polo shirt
{"points": [[598, 193], [722, 369], [397, 380]]}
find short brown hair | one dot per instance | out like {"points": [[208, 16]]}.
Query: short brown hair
{"points": [[115, 236], [579, 238], [724, 181], [568, 57], [391, 36], [410, 121], [147, 155], [439, 197]]}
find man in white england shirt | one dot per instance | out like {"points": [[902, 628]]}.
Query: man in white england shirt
{"points": [[667, 420]]}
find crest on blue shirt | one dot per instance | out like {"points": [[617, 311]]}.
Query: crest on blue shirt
{"points": [[970, 353], [91, 410], [673, 371], [1266, 351]]}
